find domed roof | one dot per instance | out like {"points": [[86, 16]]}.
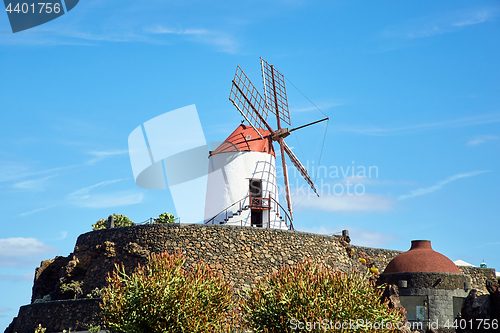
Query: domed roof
{"points": [[245, 138], [421, 258]]}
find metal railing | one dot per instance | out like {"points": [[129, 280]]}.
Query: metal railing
{"points": [[151, 220], [262, 203]]}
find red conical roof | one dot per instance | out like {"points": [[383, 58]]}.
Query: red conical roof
{"points": [[421, 258], [245, 138]]}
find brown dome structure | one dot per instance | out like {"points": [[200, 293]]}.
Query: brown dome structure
{"points": [[421, 258]]}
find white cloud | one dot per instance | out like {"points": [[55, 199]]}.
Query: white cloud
{"points": [[369, 238], [36, 210], [114, 199], [474, 18], [439, 185], [345, 203], [92, 36], [19, 251], [64, 234], [84, 198], [33, 185], [221, 40], [455, 123], [3, 308], [101, 155], [162, 30], [441, 23], [481, 139], [84, 193], [12, 171]]}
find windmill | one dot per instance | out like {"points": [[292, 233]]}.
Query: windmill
{"points": [[247, 99], [258, 162]]}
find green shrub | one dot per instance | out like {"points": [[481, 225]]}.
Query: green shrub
{"points": [[119, 220], [165, 218], [310, 293], [95, 293], [94, 329], [71, 290], [164, 297]]}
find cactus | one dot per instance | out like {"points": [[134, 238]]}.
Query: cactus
{"points": [[311, 292], [164, 297], [165, 218], [120, 221]]}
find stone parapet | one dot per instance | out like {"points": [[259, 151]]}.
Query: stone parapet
{"points": [[57, 316], [428, 280]]}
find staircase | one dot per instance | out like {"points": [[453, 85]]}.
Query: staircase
{"points": [[231, 216], [227, 216]]}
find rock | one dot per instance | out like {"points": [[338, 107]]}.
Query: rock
{"points": [[391, 294], [47, 276], [476, 306], [136, 250], [494, 290]]}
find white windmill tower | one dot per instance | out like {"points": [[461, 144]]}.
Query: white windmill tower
{"points": [[242, 185]]}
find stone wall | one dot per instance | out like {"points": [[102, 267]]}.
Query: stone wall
{"points": [[58, 316], [479, 276], [240, 254], [379, 257]]}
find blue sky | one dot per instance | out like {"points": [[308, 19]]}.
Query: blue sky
{"points": [[411, 89]]}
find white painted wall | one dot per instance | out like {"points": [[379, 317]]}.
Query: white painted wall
{"points": [[228, 182]]}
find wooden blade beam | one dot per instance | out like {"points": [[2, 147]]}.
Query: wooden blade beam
{"points": [[285, 174], [299, 165], [314, 122], [244, 116]]}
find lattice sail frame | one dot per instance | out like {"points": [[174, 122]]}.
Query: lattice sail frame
{"points": [[248, 100], [300, 167], [274, 83]]}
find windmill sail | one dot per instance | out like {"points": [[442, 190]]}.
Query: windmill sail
{"points": [[275, 92], [299, 166], [248, 101]]}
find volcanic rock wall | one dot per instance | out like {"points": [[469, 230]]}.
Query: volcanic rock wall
{"points": [[240, 254]]}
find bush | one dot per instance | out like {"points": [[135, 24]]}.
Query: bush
{"points": [[71, 290], [163, 297], [119, 220], [314, 293], [165, 218]]}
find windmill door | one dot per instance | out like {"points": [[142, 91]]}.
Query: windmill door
{"points": [[256, 202]]}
